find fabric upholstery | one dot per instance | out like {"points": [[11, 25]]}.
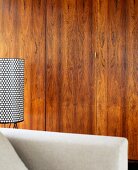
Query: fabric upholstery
{"points": [[60, 151], [9, 160]]}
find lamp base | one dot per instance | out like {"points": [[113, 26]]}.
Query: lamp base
{"points": [[15, 126]]}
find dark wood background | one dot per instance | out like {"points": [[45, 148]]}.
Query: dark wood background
{"points": [[81, 64]]}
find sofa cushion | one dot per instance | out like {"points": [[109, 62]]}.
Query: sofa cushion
{"points": [[8, 157]]}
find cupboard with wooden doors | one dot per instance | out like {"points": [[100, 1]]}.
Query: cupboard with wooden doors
{"points": [[81, 64]]}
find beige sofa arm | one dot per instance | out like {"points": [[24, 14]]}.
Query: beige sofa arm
{"points": [[60, 151]]}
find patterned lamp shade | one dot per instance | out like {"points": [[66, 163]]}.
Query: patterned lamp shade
{"points": [[11, 90]]}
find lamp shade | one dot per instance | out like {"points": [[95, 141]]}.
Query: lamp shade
{"points": [[11, 90]]}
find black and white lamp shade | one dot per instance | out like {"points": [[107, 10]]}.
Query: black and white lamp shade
{"points": [[11, 90]]}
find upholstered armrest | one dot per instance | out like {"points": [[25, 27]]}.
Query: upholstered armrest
{"points": [[60, 151]]}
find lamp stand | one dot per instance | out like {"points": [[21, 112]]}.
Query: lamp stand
{"points": [[15, 126]]}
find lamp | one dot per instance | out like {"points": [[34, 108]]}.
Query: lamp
{"points": [[11, 90]]}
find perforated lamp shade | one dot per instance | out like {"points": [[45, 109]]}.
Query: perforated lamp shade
{"points": [[11, 90]]}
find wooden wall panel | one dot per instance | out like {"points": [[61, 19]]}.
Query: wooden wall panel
{"points": [[8, 28], [116, 66], [101, 67], [84, 67], [80, 64], [132, 78], [8, 31], [53, 64], [69, 77], [70, 67], [22, 34], [86, 94], [110, 68]]}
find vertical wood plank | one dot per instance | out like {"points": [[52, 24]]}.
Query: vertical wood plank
{"points": [[32, 48], [69, 98], [53, 56], [116, 71], [8, 28], [70, 76], [25, 50], [101, 67], [84, 67], [22, 34], [132, 78], [38, 65], [8, 31]]}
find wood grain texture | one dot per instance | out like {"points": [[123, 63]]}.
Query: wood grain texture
{"points": [[132, 78], [70, 67], [22, 34], [32, 48], [84, 94], [116, 66], [8, 36], [101, 67], [53, 64], [81, 64]]}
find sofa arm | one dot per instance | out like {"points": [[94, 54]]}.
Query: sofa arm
{"points": [[60, 151]]}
